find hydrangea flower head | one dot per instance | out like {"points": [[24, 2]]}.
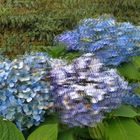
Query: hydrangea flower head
{"points": [[24, 93], [84, 90], [111, 41]]}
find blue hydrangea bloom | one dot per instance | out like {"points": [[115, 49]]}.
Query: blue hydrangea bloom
{"points": [[24, 95], [111, 41], [84, 90], [132, 99]]}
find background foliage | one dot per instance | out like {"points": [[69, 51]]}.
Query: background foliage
{"points": [[31, 25]]}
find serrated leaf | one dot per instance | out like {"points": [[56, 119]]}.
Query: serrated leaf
{"points": [[122, 129], [125, 111], [66, 135], [8, 131], [56, 51]]}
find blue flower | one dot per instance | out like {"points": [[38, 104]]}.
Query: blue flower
{"points": [[131, 99], [85, 89], [24, 93], [110, 41]]}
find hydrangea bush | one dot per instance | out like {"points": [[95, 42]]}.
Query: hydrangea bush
{"points": [[81, 92], [113, 42]]}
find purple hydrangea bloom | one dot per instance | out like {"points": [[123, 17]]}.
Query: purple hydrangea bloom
{"points": [[24, 95], [84, 90], [111, 41]]}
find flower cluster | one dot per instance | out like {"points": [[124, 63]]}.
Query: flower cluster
{"points": [[24, 93], [84, 90], [111, 41], [81, 91], [131, 99]]}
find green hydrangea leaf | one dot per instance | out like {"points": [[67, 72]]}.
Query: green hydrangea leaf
{"points": [[56, 51], [129, 71], [66, 135], [136, 61], [98, 131], [137, 90], [122, 129], [47, 131], [8, 131], [125, 111]]}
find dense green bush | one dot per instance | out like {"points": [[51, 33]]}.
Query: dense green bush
{"points": [[29, 23]]}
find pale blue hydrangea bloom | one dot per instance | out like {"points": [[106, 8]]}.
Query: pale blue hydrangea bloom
{"points": [[84, 90], [24, 94], [132, 99], [111, 41]]}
